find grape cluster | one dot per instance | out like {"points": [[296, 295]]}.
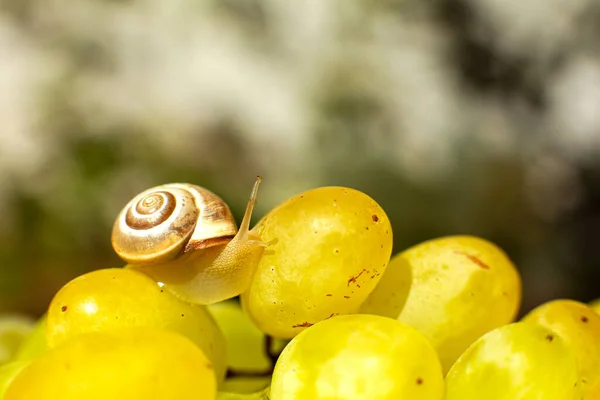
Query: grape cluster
{"points": [[330, 313]]}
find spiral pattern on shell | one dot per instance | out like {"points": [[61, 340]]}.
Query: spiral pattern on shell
{"points": [[164, 221], [152, 210], [155, 225]]}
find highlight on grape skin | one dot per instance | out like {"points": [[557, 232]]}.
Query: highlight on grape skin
{"points": [[453, 289], [329, 248], [330, 312], [358, 357], [134, 363], [516, 361], [116, 297], [578, 325]]}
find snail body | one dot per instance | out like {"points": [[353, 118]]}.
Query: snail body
{"points": [[185, 237]]}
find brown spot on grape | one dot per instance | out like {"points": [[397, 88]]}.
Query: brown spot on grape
{"points": [[375, 217], [346, 297], [161, 290], [366, 227], [354, 278], [336, 251], [419, 381], [63, 308], [182, 315], [305, 324], [549, 337], [328, 295], [584, 319], [332, 315], [474, 259]]}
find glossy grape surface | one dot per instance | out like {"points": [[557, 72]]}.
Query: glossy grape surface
{"points": [[122, 364], [595, 305], [34, 344], [389, 297], [113, 298], [461, 287], [14, 328], [519, 361], [245, 385], [8, 373], [258, 395], [246, 344], [328, 249], [579, 326], [358, 357]]}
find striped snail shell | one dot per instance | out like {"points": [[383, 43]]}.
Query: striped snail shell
{"points": [[165, 221]]}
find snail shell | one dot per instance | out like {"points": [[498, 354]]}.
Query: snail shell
{"points": [[165, 221]]}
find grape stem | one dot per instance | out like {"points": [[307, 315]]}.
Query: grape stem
{"points": [[269, 350], [273, 356]]}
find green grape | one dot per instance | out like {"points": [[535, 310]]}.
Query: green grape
{"points": [[135, 363], [245, 384], [461, 287], [34, 344], [391, 292], [327, 250], [13, 329], [246, 344], [258, 395], [595, 305], [579, 326], [8, 373], [116, 297], [358, 356], [518, 361]]}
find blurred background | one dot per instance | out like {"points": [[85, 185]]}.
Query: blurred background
{"points": [[458, 116]]}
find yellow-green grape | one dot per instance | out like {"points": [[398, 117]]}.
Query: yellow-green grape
{"points": [[328, 248], [358, 356], [8, 372], [186, 237], [518, 361], [249, 351], [391, 292], [595, 305], [257, 395], [245, 384], [136, 363], [34, 344], [246, 344], [462, 287], [115, 297], [579, 326], [14, 328]]}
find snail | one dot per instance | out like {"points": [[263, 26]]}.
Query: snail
{"points": [[185, 237]]}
